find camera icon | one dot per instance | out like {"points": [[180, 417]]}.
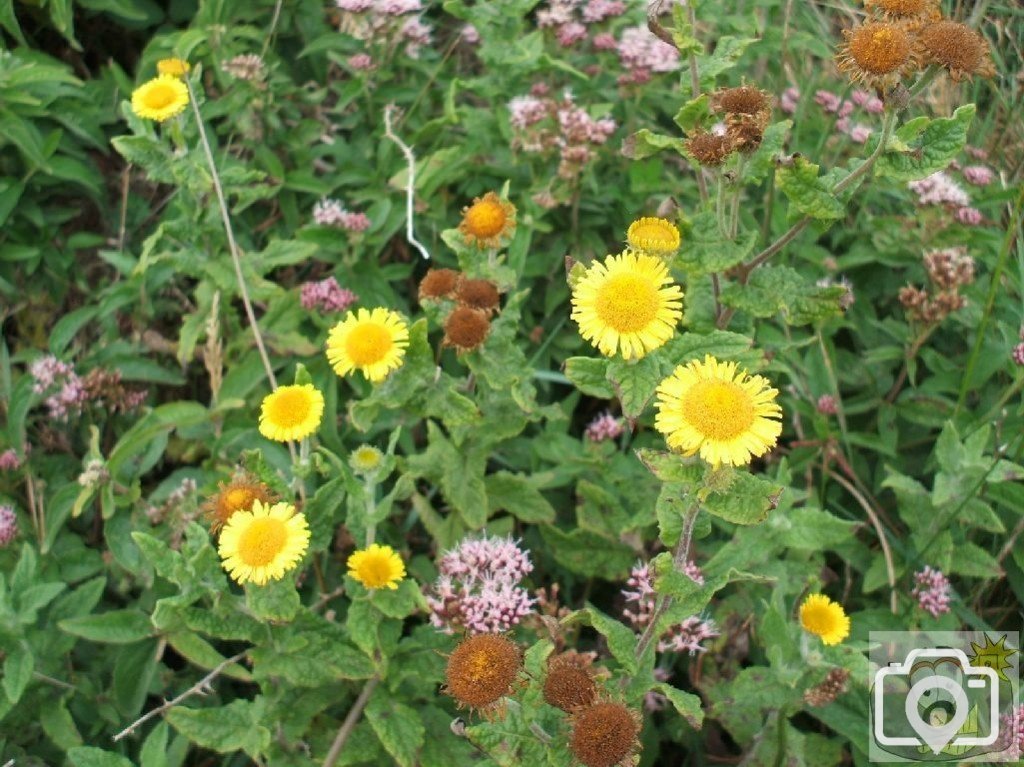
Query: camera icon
{"points": [[940, 691]]}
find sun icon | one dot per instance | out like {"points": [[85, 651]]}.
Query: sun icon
{"points": [[994, 655]]}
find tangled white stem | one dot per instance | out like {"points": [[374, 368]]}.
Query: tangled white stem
{"points": [[410, 187]]}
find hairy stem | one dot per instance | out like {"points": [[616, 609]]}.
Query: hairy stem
{"points": [[350, 721]]}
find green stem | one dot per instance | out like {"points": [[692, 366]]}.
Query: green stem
{"points": [[993, 289]]}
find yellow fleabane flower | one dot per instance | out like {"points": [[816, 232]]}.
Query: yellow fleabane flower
{"points": [[291, 412], [372, 342], [263, 544], [489, 222], [825, 618], [715, 409], [627, 305], [377, 567], [173, 67], [160, 99], [653, 236]]}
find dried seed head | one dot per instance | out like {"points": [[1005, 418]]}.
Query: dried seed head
{"points": [[466, 328], [826, 692], [569, 684], [905, 9], [744, 100], [438, 283], [877, 54], [477, 294], [604, 734], [482, 670], [238, 495], [746, 131], [958, 49], [709, 148]]}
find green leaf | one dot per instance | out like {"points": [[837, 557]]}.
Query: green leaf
{"points": [[686, 704], [515, 494], [154, 750], [670, 467], [973, 561], [745, 499], [18, 667], [115, 627], [58, 724], [774, 289], [620, 638], [928, 145], [808, 193], [692, 113], [764, 160], [705, 250], [400, 602], [728, 50], [274, 601], [588, 553], [224, 729], [634, 382], [87, 756], [644, 144], [134, 669], [397, 726], [590, 376]]}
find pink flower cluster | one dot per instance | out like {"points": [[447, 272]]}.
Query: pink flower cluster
{"points": [[569, 18], [545, 125], [330, 212], [1011, 733], [979, 175], [932, 591], [386, 20], [9, 460], [843, 109], [639, 611], [642, 53], [99, 387], [327, 296], [605, 426], [940, 189], [478, 587], [8, 525]]}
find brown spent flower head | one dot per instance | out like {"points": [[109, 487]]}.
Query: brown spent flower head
{"points": [[877, 54], [958, 49], [478, 294], [488, 222], [237, 495], [743, 100], [481, 671], [746, 131], [466, 329], [905, 9], [709, 148], [438, 283], [569, 684], [604, 735], [826, 692]]}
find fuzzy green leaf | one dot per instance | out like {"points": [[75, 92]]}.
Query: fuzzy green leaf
{"points": [[620, 638], [746, 499], [590, 376], [929, 145], [398, 727], [115, 627], [808, 193], [634, 382], [87, 756], [224, 729], [705, 250], [515, 494], [644, 144]]}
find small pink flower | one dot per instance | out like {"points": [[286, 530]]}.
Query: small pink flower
{"points": [[599, 10], [688, 635], [605, 42], [976, 152], [9, 460], [327, 296], [828, 101], [640, 49], [827, 405], [860, 133], [1018, 353], [969, 216], [8, 525], [789, 101], [604, 427], [526, 111], [932, 591], [469, 34], [361, 62], [570, 34], [939, 189], [355, 222], [979, 175], [1011, 733]]}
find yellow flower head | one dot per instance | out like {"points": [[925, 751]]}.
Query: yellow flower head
{"points": [[825, 618], [263, 544], [372, 342], [377, 567], [160, 99], [173, 67], [628, 304], [488, 222], [653, 236], [365, 459], [715, 409], [291, 412], [238, 495], [877, 54]]}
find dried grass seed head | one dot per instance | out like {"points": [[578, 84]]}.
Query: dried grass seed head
{"points": [[482, 670], [878, 54], [604, 735]]}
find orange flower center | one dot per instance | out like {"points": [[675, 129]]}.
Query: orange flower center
{"points": [[720, 410], [262, 541], [485, 218], [289, 407], [239, 498], [880, 48]]}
